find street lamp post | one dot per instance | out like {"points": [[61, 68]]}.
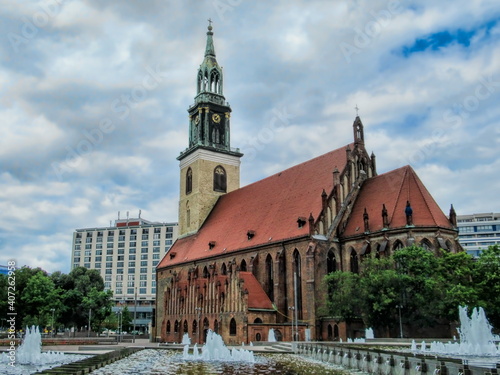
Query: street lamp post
{"points": [[90, 316], [120, 321], [292, 309], [135, 313]]}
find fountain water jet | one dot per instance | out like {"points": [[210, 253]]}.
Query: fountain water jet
{"points": [[369, 334], [186, 340], [271, 336], [30, 351], [215, 350], [476, 338]]}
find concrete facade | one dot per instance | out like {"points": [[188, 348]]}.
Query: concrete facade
{"points": [[126, 255], [478, 231]]}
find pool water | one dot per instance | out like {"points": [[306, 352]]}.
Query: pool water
{"points": [[165, 362]]}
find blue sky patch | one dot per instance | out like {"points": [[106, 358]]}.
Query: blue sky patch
{"points": [[441, 39]]}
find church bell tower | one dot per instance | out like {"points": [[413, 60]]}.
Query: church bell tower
{"points": [[209, 167]]}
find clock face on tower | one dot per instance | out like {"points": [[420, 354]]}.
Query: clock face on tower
{"points": [[216, 118]]}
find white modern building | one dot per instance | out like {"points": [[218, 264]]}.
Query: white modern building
{"points": [[478, 231], [126, 255]]}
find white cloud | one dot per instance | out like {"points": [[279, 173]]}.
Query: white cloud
{"points": [[63, 81]]}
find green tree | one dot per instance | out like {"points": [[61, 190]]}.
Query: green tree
{"points": [[39, 297], [419, 282], [345, 300], [126, 320], [380, 285], [23, 276], [427, 288], [487, 281], [111, 322], [4, 305], [98, 303], [455, 278], [77, 286]]}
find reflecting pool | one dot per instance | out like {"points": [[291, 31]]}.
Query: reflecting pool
{"points": [[152, 361]]}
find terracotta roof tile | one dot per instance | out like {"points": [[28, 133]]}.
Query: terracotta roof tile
{"points": [[394, 189], [269, 207], [257, 298]]}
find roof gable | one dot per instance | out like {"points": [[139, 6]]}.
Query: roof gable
{"points": [[257, 298], [394, 189]]}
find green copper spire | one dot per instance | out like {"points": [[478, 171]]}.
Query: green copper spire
{"points": [[210, 115], [210, 50], [209, 83]]}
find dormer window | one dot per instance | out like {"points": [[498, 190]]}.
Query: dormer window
{"points": [[211, 245], [172, 255], [250, 234], [301, 221]]}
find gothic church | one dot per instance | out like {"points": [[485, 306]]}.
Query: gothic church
{"points": [[252, 258]]}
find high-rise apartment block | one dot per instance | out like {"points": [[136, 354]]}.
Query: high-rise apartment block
{"points": [[126, 256], [478, 231]]}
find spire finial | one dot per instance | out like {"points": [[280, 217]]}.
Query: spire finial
{"points": [[210, 50], [357, 110]]}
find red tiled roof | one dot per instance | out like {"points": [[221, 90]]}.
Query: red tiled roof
{"points": [[257, 298], [269, 207], [394, 189]]}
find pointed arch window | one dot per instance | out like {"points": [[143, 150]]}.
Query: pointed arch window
{"points": [[243, 266], [223, 269], [205, 82], [331, 263], [232, 327], [426, 244], [398, 245], [189, 180], [214, 81], [168, 326], [269, 277], [354, 262], [220, 179], [298, 272]]}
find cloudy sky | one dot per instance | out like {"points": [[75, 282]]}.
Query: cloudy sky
{"points": [[93, 99]]}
